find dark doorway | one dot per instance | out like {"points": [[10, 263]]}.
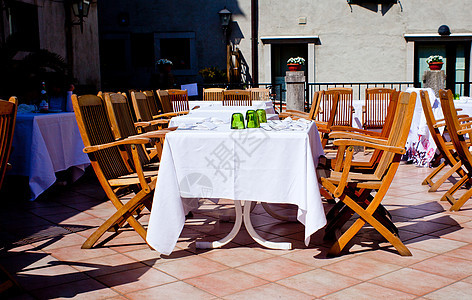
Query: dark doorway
{"points": [[280, 53], [456, 63]]}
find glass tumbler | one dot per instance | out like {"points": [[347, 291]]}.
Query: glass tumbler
{"points": [[252, 119], [261, 114], [237, 121]]}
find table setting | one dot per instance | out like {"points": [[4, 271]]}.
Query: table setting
{"points": [[273, 162]]}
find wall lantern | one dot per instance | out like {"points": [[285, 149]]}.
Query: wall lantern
{"points": [[444, 30], [225, 18], [80, 8]]}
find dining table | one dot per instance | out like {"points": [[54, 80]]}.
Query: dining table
{"points": [[43, 144], [208, 160]]}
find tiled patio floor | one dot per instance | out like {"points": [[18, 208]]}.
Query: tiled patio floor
{"points": [[125, 268]]}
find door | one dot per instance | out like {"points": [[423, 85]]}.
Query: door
{"points": [[279, 56], [456, 63]]}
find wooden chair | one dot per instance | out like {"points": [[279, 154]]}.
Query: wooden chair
{"points": [[376, 105], [361, 192], [7, 126], [213, 94], [311, 115], [259, 94], [166, 104], [446, 149], [236, 98], [152, 102], [8, 111], [345, 109], [179, 100], [123, 126], [458, 133], [117, 177]]}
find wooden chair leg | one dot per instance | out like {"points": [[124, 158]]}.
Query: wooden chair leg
{"points": [[366, 217], [429, 179], [125, 212], [6, 281], [458, 204], [450, 193], [440, 181]]}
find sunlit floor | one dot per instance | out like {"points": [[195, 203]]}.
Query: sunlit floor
{"points": [[42, 240]]}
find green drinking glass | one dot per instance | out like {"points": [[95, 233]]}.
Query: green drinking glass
{"points": [[237, 121], [252, 119], [261, 114]]}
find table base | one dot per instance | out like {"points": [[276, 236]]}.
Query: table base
{"points": [[250, 229]]}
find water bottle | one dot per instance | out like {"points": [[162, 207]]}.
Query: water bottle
{"points": [[43, 99]]}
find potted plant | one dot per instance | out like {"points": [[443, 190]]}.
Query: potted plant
{"points": [[164, 65], [435, 62], [295, 63]]}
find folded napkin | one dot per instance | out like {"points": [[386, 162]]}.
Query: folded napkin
{"points": [[25, 108]]}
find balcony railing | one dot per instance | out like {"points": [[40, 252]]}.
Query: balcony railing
{"points": [[278, 90]]}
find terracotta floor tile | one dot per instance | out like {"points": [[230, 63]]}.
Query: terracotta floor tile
{"points": [[421, 226], [238, 256], [275, 268], [368, 290], [135, 279], [225, 282], [78, 254], [315, 257], [361, 267], [269, 291], [392, 257], [463, 252], [457, 290], [68, 240], [412, 281], [434, 244], [318, 282], [191, 266], [84, 289], [456, 233], [103, 265], [447, 266], [174, 290]]}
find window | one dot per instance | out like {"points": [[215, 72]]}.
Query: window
{"points": [[24, 29], [142, 49], [176, 50], [113, 56]]}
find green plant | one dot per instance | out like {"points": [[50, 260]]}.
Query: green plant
{"points": [[296, 60], [213, 75], [457, 96], [434, 58]]}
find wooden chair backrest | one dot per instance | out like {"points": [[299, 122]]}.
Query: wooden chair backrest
{"points": [[344, 111], [453, 126], [164, 99], [8, 111], [259, 94], [213, 94], [315, 106], [141, 106], [95, 129], [435, 133], [152, 102], [122, 123], [377, 101], [237, 98], [399, 131], [179, 100]]}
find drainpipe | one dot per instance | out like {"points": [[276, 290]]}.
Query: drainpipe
{"points": [[254, 42]]}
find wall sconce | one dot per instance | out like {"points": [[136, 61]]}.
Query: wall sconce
{"points": [[225, 19], [80, 8]]}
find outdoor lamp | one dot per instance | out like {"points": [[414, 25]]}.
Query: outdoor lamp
{"points": [[444, 30], [225, 17], [80, 8]]}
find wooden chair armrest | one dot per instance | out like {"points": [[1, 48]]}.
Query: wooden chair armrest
{"points": [[127, 141], [345, 142], [357, 136], [296, 111], [466, 129], [155, 134], [464, 118], [170, 115], [441, 124], [353, 129], [458, 109], [345, 173]]}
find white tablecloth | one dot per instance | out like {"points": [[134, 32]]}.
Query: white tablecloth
{"points": [[44, 144], [218, 106], [249, 164]]}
